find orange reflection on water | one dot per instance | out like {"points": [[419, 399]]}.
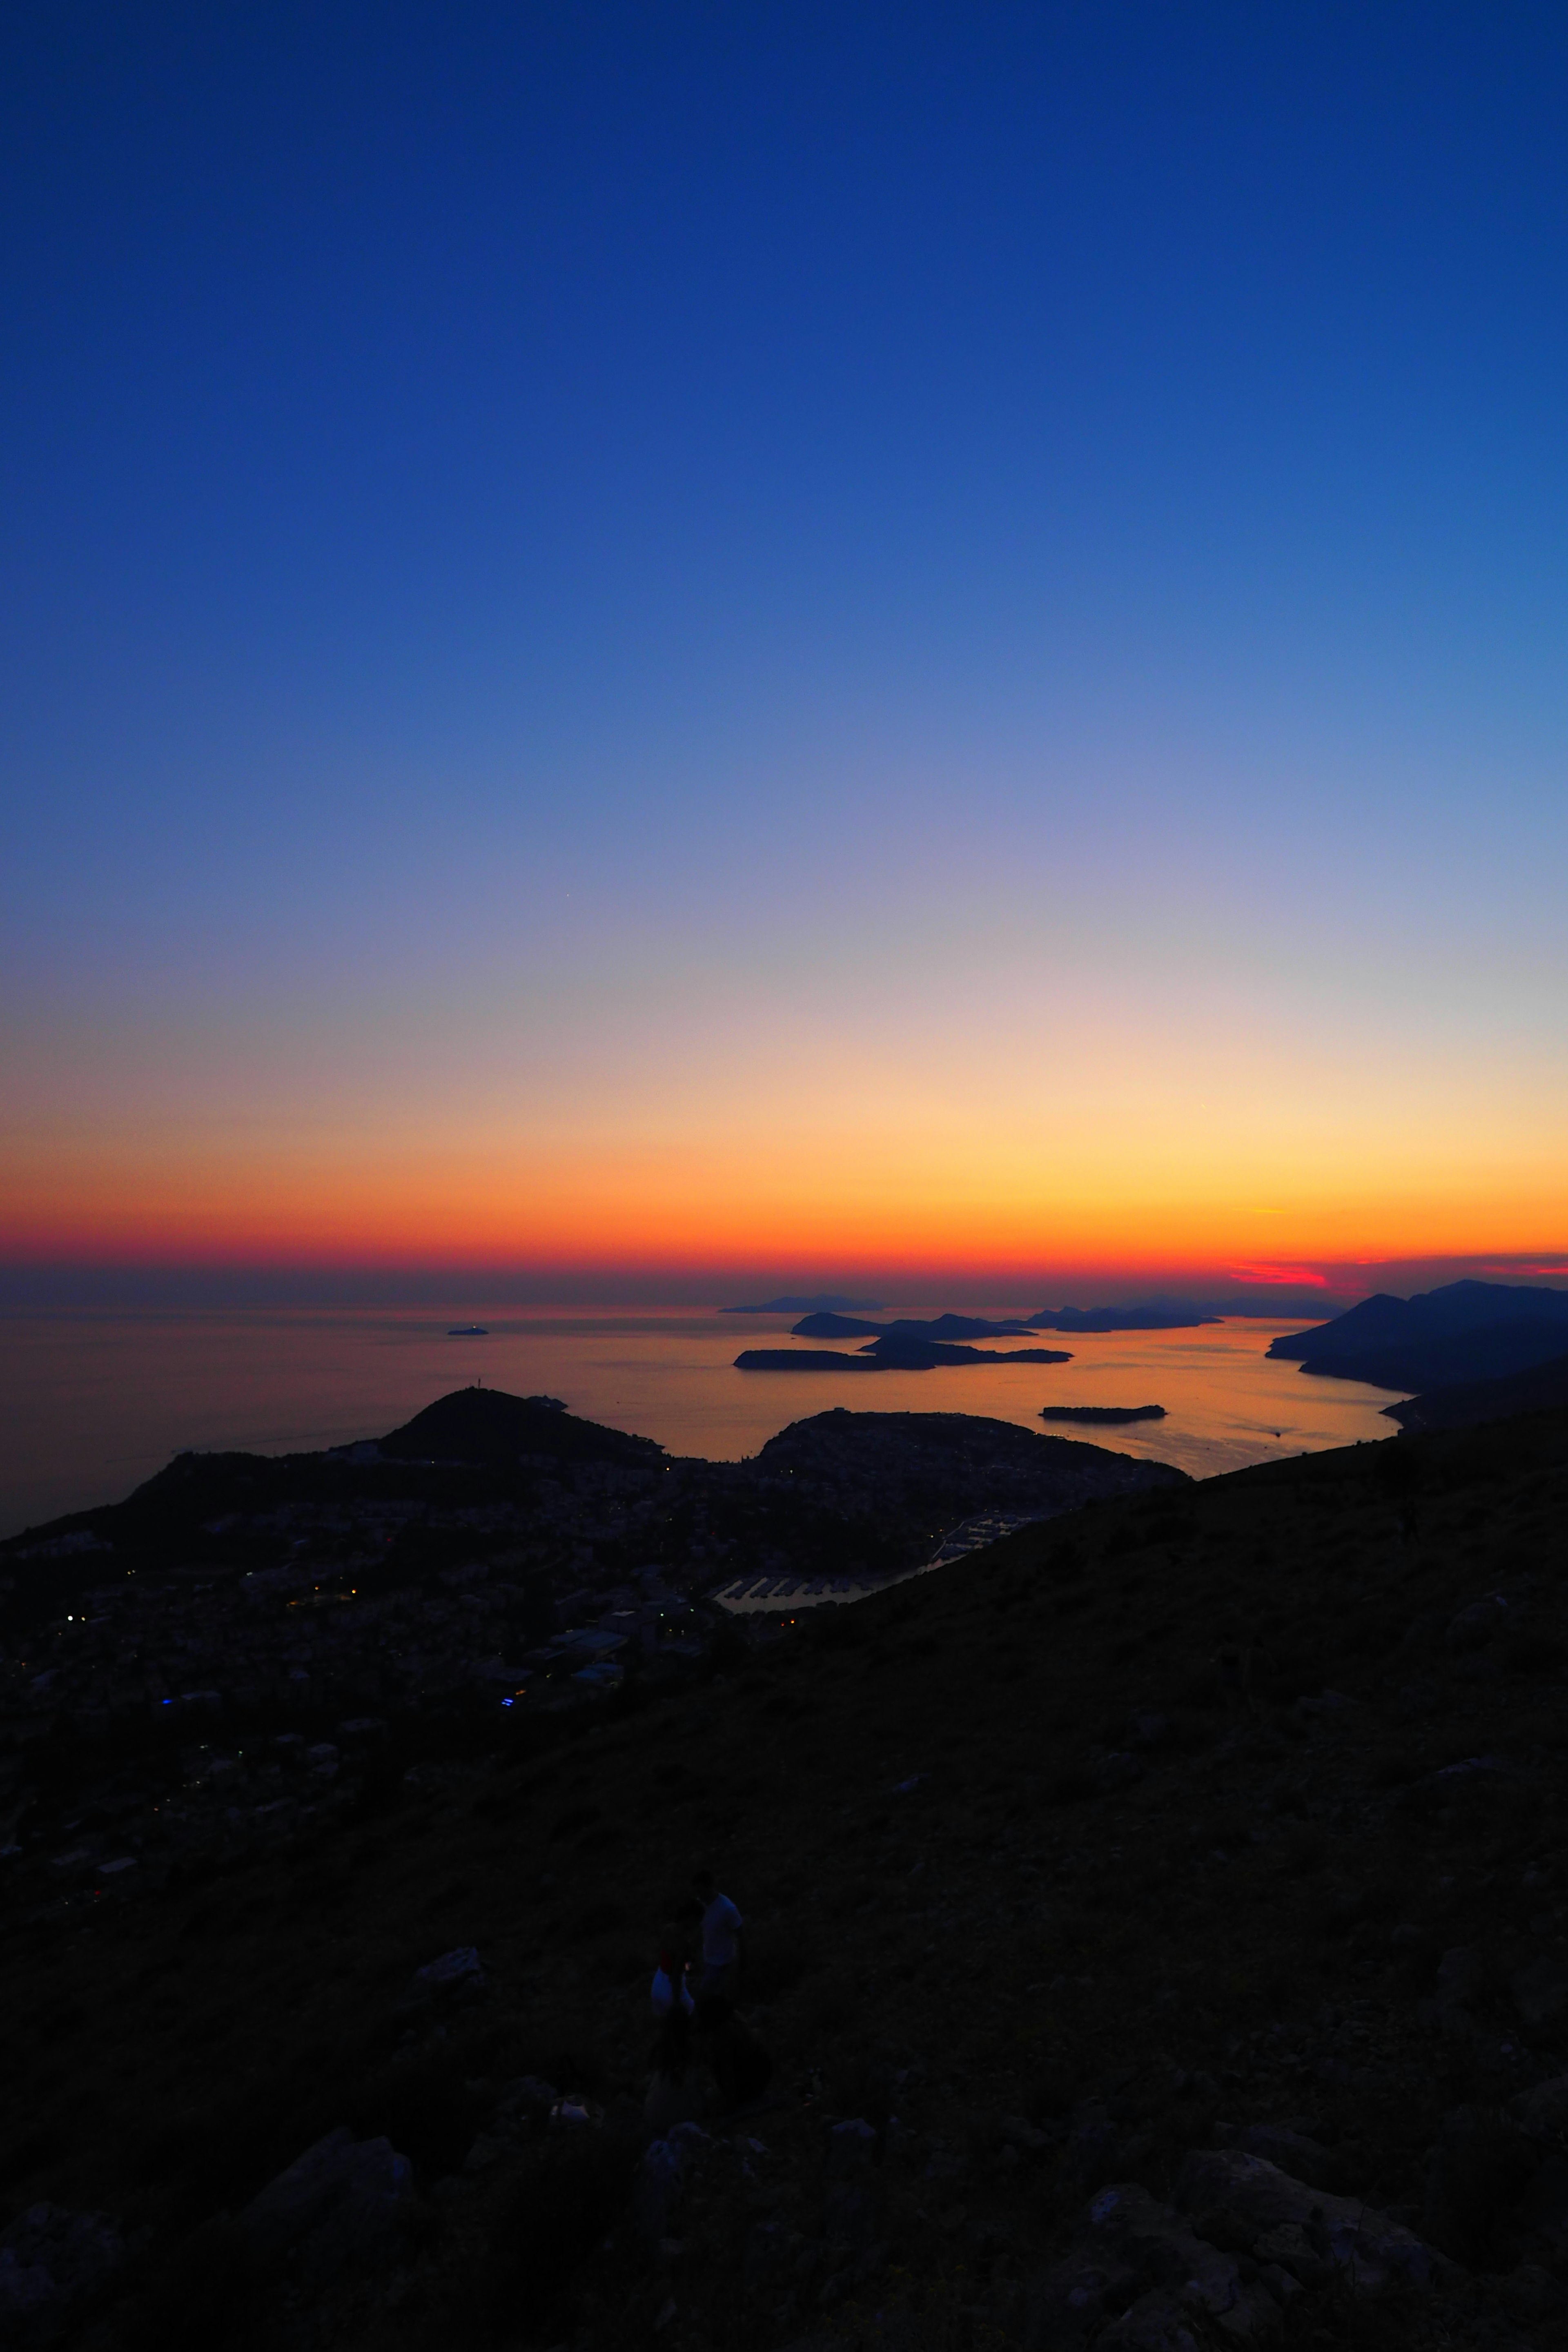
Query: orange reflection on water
{"points": [[96, 1402]]}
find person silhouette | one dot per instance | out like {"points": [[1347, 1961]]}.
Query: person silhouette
{"points": [[723, 1932], [670, 1988]]}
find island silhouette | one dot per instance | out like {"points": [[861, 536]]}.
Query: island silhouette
{"points": [[837, 1320], [1104, 1414], [891, 1354]]}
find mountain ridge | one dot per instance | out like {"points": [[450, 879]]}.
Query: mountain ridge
{"points": [[1460, 1331]]}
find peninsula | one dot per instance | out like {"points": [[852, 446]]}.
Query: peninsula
{"points": [[1542, 1388], [1464, 1331]]}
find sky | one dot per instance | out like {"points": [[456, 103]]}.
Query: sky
{"points": [[641, 644]]}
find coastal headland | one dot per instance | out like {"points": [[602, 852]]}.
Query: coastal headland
{"points": [[1465, 1331]]}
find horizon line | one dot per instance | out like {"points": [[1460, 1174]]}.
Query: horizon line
{"points": [[1304, 1285]]}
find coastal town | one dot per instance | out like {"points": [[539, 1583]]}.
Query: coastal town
{"points": [[252, 1649]]}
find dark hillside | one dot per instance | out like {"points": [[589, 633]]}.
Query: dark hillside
{"points": [[1497, 1352], [1542, 1389], [1386, 1321], [1232, 1809], [1462, 1331]]}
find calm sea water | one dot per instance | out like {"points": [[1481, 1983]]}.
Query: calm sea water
{"points": [[92, 1404]]}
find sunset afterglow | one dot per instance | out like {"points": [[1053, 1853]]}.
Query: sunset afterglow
{"points": [[937, 657]]}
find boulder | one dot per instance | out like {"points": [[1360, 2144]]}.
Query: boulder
{"points": [[1543, 2208], [342, 2205], [765, 2264], [1358, 2239], [851, 2147], [1099, 2145], [849, 2216], [1540, 1991], [1461, 1975], [1533, 2296], [52, 2263], [1155, 2322], [524, 2100], [1304, 2159], [1471, 1774], [1541, 2113], [1473, 1627], [453, 1975], [1069, 2302], [660, 2184], [1480, 2168], [1461, 1972], [1299, 2252], [1126, 2228]]}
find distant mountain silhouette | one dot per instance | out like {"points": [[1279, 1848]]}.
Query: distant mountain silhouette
{"points": [[955, 1326], [824, 1300], [1464, 1331], [939, 1326], [1156, 1316]]}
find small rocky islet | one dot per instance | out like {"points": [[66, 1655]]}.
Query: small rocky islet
{"points": [[890, 1354], [1105, 1414]]}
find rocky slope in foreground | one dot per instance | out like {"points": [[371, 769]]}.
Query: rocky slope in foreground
{"points": [[1158, 1925]]}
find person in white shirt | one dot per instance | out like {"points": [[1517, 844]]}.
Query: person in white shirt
{"points": [[722, 1930]]}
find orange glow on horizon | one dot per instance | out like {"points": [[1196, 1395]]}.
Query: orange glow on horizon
{"points": [[665, 1219], [863, 1177]]}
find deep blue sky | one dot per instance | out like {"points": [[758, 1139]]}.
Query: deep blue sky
{"points": [[627, 573]]}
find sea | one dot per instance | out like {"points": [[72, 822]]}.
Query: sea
{"points": [[93, 1403]]}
